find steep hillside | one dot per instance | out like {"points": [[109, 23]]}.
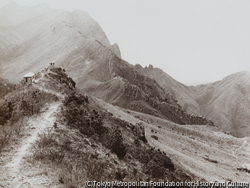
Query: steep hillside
{"points": [[121, 84], [81, 141], [227, 103], [75, 41], [34, 36], [204, 151], [184, 94], [42, 35]]}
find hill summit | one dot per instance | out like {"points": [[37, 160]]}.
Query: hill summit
{"points": [[33, 36], [81, 138]]}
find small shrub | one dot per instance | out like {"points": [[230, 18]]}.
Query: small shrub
{"points": [[118, 148], [114, 141], [61, 178], [76, 99], [158, 172], [120, 175], [5, 112], [55, 125], [46, 140], [95, 169], [6, 133], [155, 137]]}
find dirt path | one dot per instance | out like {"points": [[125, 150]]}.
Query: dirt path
{"points": [[49, 91], [12, 173]]}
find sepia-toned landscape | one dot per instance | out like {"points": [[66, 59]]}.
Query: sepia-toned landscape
{"points": [[73, 110]]}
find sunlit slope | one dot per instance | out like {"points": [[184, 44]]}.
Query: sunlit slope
{"points": [[202, 151], [43, 35], [227, 102]]}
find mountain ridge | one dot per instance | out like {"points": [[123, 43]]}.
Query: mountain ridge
{"points": [[76, 42], [229, 103], [56, 27], [109, 119], [115, 146]]}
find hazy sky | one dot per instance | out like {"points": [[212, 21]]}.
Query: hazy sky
{"points": [[193, 41]]}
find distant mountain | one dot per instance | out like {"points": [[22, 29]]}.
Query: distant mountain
{"points": [[128, 86], [227, 103], [184, 94], [32, 37], [76, 42]]}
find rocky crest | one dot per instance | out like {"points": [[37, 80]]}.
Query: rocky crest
{"points": [[106, 139]]}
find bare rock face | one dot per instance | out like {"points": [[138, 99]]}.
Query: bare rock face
{"points": [[115, 48], [34, 36], [150, 67]]}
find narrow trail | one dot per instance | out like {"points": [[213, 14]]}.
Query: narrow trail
{"points": [[12, 173], [36, 85], [49, 91]]}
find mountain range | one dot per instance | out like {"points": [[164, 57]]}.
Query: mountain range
{"points": [[31, 38], [95, 116]]}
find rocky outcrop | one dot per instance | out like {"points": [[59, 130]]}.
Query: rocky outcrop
{"points": [[115, 48]]}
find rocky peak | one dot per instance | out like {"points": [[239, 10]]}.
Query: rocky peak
{"points": [[88, 26], [115, 48], [150, 67]]}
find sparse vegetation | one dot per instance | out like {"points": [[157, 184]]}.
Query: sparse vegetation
{"points": [[155, 137], [78, 114], [102, 128], [5, 112], [61, 78], [116, 144], [86, 142], [95, 144], [75, 160], [18, 105], [5, 87], [10, 132]]}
